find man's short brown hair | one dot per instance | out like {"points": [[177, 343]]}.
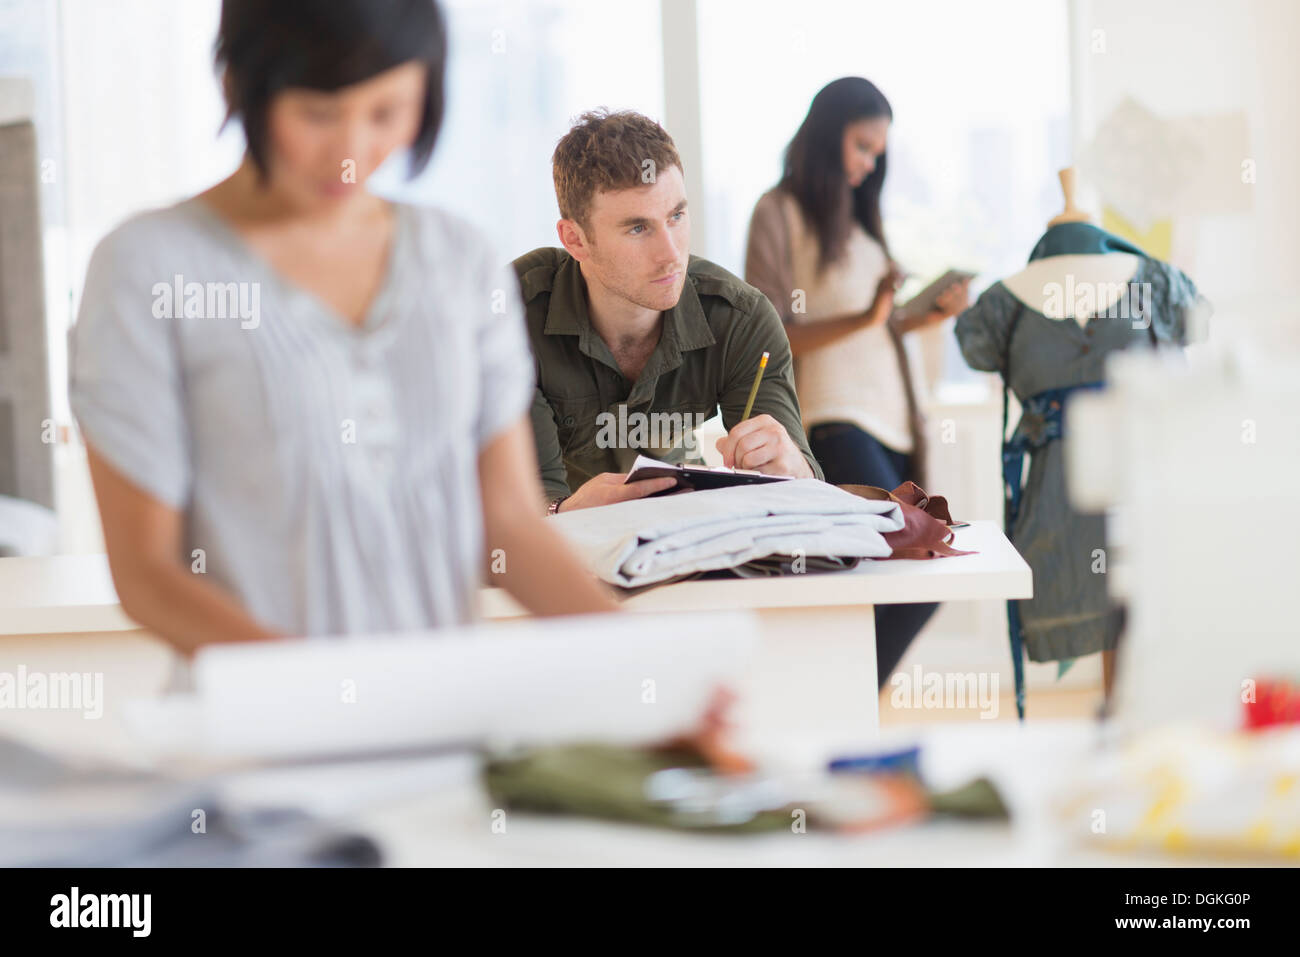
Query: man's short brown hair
{"points": [[608, 151]]}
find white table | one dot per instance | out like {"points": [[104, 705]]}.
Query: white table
{"points": [[818, 630], [59, 594], [814, 677]]}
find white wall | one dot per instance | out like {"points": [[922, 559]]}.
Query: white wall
{"points": [[1185, 58]]}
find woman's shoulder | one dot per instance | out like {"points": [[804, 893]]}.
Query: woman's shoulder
{"points": [[776, 212], [148, 242], [775, 201], [156, 226]]}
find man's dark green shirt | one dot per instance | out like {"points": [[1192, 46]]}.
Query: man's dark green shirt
{"points": [[587, 418]]}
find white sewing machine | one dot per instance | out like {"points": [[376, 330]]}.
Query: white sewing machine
{"points": [[1199, 467]]}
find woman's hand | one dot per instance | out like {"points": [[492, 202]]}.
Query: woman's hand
{"points": [[951, 301], [883, 304], [948, 303]]}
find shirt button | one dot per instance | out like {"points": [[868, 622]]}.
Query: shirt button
{"points": [[1087, 348], [568, 420]]}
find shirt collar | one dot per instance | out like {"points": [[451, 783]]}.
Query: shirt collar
{"points": [[687, 319], [566, 314]]}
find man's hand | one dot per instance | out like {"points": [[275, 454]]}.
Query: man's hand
{"points": [[762, 444], [608, 488]]}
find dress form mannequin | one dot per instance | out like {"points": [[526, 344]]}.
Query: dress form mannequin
{"points": [[1107, 274], [1048, 331]]}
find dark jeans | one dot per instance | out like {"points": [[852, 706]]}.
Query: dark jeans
{"points": [[850, 456]]}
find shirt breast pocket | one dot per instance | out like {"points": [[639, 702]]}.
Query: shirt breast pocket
{"points": [[578, 422]]}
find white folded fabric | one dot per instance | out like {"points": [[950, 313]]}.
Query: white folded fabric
{"points": [[653, 539]]}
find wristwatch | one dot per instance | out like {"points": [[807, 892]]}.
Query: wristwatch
{"points": [[554, 507]]}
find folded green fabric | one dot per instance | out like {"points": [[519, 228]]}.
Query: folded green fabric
{"points": [[978, 799], [604, 781]]}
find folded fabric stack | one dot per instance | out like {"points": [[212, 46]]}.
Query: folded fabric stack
{"points": [[57, 813], [651, 540]]}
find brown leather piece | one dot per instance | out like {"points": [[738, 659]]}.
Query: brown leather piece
{"points": [[925, 532]]}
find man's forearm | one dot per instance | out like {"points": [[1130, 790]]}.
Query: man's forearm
{"points": [[794, 428], [549, 456], [552, 492]]}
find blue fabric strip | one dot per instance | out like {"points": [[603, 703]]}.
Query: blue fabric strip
{"points": [[1042, 420]]}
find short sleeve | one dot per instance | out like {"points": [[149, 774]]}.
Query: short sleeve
{"points": [[124, 382], [982, 330], [505, 364], [1178, 310]]}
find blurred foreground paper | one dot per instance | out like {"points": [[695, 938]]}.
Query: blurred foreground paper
{"points": [[57, 813], [1189, 790], [620, 678]]}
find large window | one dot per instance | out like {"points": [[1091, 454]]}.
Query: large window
{"points": [[128, 109], [128, 112], [517, 74]]}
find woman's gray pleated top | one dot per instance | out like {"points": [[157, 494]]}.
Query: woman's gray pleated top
{"points": [[326, 472]]}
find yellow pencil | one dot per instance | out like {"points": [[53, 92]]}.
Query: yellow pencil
{"points": [[758, 377]]}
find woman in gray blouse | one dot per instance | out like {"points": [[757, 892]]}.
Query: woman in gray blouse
{"points": [[306, 407]]}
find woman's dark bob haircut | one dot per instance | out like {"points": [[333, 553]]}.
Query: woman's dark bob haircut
{"points": [[265, 46]]}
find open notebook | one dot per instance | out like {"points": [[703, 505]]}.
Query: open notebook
{"points": [[697, 477]]}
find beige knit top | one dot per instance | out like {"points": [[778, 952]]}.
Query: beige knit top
{"points": [[862, 378]]}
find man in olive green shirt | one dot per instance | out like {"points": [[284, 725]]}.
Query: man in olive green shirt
{"points": [[636, 342]]}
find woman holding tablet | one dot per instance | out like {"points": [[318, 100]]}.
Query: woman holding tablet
{"points": [[306, 408], [817, 250]]}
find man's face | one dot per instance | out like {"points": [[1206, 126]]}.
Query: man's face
{"points": [[637, 241]]}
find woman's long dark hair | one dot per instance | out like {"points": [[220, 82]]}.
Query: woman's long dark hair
{"points": [[814, 166]]}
